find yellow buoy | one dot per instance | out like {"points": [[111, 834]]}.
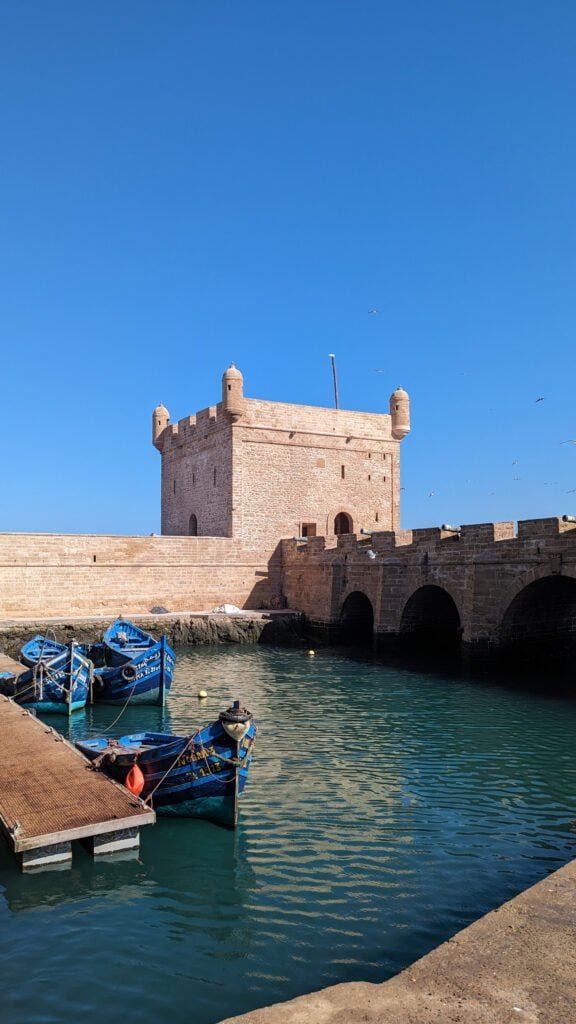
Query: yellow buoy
{"points": [[202, 694]]}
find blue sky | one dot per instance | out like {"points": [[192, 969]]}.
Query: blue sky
{"points": [[187, 183]]}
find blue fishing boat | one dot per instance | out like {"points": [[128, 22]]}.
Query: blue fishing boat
{"points": [[131, 665], [58, 679], [198, 776], [40, 648]]}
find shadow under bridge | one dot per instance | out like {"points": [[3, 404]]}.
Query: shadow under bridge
{"points": [[430, 622], [539, 625], [356, 624]]}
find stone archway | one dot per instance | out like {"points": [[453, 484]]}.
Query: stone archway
{"points": [[343, 523], [539, 624], [357, 619], [430, 621]]}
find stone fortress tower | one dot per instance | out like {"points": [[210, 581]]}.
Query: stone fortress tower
{"points": [[261, 471]]}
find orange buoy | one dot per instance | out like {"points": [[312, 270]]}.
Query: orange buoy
{"points": [[135, 780]]}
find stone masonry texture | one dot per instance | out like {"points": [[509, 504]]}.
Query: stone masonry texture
{"points": [[259, 470], [59, 575]]}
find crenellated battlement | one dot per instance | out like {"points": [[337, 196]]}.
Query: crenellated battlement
{"points": [[468, 538], [485, 581], [192, 428]]}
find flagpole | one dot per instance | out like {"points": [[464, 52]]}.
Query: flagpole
{"points": [[333, 358]]}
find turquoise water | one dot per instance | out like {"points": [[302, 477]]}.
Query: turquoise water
{"points": [[386, 809]]}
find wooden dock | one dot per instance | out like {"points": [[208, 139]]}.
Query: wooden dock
{"points": [[7, 664], [49, 795]]}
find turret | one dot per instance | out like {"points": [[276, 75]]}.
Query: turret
{"points": [[160, 420], [233, 392], [400, 413]]}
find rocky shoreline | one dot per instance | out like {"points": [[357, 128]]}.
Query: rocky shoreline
{"points": [[191, 629]]}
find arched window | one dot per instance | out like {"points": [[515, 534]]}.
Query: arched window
{"points": [[193, 526], [343, 523]]}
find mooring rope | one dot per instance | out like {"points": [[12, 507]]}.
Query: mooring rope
{"points": [[118, 717], [235, 762]]}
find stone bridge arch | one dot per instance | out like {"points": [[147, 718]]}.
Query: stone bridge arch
{"points": [[523, 581], [356, 623], [538, 617], [431, 619]]}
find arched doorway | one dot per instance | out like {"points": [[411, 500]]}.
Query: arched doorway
{"points": [[539, 626], [343, 523], [430, 621], [193, 526], [357, 619]]}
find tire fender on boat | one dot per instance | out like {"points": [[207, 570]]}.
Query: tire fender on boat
{"points": [[235, 721], [129, 673]]}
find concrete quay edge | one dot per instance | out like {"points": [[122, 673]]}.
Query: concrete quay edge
{"points": [[515, 965], [158, 617]]}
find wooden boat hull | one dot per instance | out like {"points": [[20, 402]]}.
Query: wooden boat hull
{"points": [[60, 685], [145, 679], [139, 669], [40, 648], [200, 776]]}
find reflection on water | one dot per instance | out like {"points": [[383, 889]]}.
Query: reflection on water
{"points": [[386, 808]]}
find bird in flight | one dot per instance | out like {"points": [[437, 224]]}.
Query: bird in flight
{"points": [[384, 371], [569, 441], [373, 311], [573, 491], [541, 399], [515, 462], [431, 494]]}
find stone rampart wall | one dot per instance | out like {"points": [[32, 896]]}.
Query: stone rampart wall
{"points": [[53, 575], [482, 568]]}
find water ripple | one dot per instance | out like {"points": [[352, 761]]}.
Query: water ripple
{"points": [[386, 809]]}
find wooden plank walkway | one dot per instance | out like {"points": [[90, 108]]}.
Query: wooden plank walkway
{"points": [[50, 796], [7, 664]]}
